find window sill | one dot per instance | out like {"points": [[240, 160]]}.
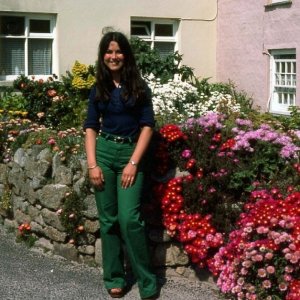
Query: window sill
{"points": [[281, 3]]}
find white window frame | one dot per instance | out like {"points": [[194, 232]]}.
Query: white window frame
{"points": [[27, 36], [278, 2], [152, 38], [282, 83]]}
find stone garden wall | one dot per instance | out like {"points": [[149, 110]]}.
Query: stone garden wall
{"points": [[33, 189]]}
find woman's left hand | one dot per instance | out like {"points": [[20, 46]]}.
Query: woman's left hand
{"points": [[128, 176]]}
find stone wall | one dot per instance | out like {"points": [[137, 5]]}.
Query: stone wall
{"points": [[38, 182]]}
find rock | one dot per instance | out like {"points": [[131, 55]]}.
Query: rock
{"points": [[19, 157], [170, 254], [63, 175], [3, 173], [10, 224], [98, 252], [54, 234], [91, 226], [67, 251], [52, 219], [20, 217], [37, 228], [91, 209], [46, 155], [90, 250], [52, 196], [44, 243]]}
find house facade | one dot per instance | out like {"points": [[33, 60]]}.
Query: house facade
{"points": [[42, 38], [258, 48]]}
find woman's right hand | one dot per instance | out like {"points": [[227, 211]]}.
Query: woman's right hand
{"points": [[96, 177]]}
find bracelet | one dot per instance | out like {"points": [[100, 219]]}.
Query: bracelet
{"points": [[133, 163], [92, 167]]}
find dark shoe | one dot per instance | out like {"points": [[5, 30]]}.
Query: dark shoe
{"points": [[116, 292]]}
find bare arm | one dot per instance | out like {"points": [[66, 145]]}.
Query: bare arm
{"points": [[95, 173], [130, 170]]}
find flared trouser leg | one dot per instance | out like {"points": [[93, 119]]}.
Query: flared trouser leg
{"points": [[120, 220]]}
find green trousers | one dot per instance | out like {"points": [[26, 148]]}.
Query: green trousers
{"points": [[120, 220]]}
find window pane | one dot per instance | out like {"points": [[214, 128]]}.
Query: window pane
{"points": [[39, 26], [40, 57], [164, 48], [12, 60], [12, 25], [140, 28], [163, 30]]}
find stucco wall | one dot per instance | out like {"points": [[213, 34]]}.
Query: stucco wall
{"points": [[246, 30], [79, 25]]}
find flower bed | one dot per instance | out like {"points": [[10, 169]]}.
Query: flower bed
{"points": [[251, 245]]}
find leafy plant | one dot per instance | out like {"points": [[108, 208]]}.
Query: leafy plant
{"points": [[150, 62]]}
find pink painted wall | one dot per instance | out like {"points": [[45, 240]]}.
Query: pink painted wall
{"points": [[246, 30]]}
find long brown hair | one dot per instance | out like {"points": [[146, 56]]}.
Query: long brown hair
{"points": [[131, 80]]}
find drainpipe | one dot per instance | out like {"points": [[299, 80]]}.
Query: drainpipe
{"points": [[266, 52]]}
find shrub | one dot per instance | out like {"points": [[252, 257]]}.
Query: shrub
{"points": [[150, 62]]}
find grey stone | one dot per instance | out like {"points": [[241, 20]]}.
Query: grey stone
{"points": [[3, 173], [46, 155], [86, 249], [1, 189], [16, 177], [52, 195], [20, 217], [19, 203], [36, 150], [98, 252], [86, 239], [63, 175], [170, 254], [19, 157], [91, 209], [86, 259], [80, 186], [56, 163], [54, 234], [44, 243], [52, 219], [37, 182], [10, 224], [91, 226], [37, 228], [67, 251]]}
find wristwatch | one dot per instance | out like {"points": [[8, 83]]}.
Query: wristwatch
{"points": [[133, 163]]}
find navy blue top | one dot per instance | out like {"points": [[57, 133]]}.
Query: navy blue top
{"points": [[117, 116]]}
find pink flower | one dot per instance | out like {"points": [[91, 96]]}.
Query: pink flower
{"points": [[282, 286], [51, 141], [261, 273], [266, 284], [186, 153], [270, 269], [269, 255]]}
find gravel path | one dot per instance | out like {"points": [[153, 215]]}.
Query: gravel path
{"points": [[28, 274]]}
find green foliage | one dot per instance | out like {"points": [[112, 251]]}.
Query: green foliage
{"points": [[71, 216], [11, 101], [5, 199], [150, 62]]}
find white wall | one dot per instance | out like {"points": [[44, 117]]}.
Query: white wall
{"points": [[80, 22]]}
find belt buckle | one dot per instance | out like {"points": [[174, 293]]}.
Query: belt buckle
{"points": [[120, 140]]}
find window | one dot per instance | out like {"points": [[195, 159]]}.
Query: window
{"points": [[26, 45], [277, 2], [160, 34], [283, 80]]}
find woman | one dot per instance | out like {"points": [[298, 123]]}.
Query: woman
{"points": [[118, 131]]}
